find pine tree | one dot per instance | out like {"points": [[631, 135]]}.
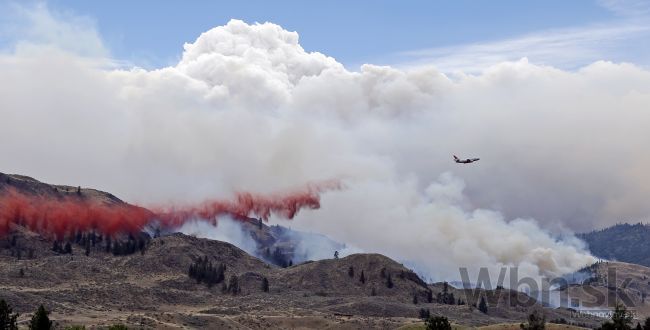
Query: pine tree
{"points": [[482, 306], [7, 317], [40, 320], [389, 282], [68, 248], [87, 248], [56, 247], [265, 285], [415, 298], [646, 324], [351, 271], [362, 278], [233, 285]]}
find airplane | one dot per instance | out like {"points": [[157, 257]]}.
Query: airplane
{"points": [[465, 161]]}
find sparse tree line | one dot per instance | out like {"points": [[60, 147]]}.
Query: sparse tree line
{"points": [[387, 279], [446, 297], [16, 250], [40, 320], [203, 271], [91, 241]]}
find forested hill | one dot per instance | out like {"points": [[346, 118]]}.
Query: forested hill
{"points": [[622, 242]]}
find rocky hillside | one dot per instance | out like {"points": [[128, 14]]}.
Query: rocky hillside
{"points": [[609, 283], [153, 288], [31, 186]]}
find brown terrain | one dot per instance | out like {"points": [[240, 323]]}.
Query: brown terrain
{"points": [[151, 288]]}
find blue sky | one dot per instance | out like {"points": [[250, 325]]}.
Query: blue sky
{"points": [[151, 33]]}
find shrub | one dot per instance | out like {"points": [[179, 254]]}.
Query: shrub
{"points": [[118, 327], [437, 323]]}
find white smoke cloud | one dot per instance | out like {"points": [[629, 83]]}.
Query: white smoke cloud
{"points": [[226, 230], [247, 108]]}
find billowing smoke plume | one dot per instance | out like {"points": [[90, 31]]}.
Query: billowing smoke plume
{"points": [[60, 216], [247, 108]]}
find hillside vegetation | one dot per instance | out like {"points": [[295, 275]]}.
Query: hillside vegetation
{"points": [[622, 242]]}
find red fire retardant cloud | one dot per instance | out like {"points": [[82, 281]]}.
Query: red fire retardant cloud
{"points": [[63, 216]]}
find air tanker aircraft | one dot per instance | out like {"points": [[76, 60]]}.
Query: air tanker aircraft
{"points": [[465, 161]]}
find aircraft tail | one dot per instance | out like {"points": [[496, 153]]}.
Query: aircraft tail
{"points": [[455, 158]]}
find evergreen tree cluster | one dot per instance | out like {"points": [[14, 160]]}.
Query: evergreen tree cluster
{"points": [[202, 270], [623, 242], [91, 240], [446, 297], [131, 246], [82, 239], [7, 317], [62, 249]]}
